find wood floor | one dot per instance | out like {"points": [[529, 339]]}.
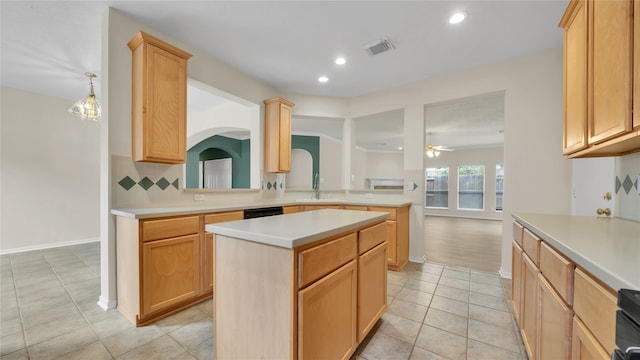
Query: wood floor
{"points": [[470, 243]]}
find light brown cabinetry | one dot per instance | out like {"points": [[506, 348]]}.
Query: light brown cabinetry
{"points": [[599, 78], [596, 307], [158, 100], [208, 246], [516, 282], [317, 301], [584, 345], [277, 135], [636, 64], [397, 230], [554, 323], [170, 272], [529, 307], [372, 277], [164, 264], [516, 271], [562, 311], [327, 316]]}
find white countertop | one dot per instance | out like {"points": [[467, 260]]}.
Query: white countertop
{"points": [[151, 212], [297, 229], [608, 248]]}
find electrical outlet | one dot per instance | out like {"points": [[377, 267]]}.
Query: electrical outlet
{"points": [[198, 197]]}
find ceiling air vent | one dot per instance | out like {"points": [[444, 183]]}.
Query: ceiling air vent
{"points": [[378, 46]]}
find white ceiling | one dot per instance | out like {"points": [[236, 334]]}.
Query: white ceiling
{"points": [[48, 45]]}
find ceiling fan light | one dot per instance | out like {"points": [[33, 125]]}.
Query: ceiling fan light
{"points": [[436, 153], [429, 153]]}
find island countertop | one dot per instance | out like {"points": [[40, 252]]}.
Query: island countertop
{"points": [[297, 229], [162, 211], [609, 248]]}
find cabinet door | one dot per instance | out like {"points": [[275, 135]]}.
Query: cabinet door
{"points": [[327, 315], [209, 246], [516, 280], [372, 288], [575, 79], [611, 71], [284, 153], [584, 344], [554, 324], [392, 241], [171, 271], [208, 270], [529, 315], [277, 135]]}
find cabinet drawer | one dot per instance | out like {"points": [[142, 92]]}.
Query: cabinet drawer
{"points": [[222, 217], [517, 233], [318, 261], [355, 207], [558, 270], [531, 245], [391, 211], [168, 228], [596, 307], [371, 236]]}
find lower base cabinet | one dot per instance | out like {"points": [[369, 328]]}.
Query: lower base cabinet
{"points": [[170, 273], [554, 324], [372, 288], [317, 301], [584, 344], [327, 315], [529, 313]]}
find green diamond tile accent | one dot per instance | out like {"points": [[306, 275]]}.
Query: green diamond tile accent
{"points": [[127, 183], [175, 184], [627, 184], [163, 183], [145, 183], [618, 184], [268, 185], [636, 184]]}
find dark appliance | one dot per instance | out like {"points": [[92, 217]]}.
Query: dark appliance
{"points": [[627, 326], [262, 212]]}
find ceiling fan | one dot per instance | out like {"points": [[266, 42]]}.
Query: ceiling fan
{"points": [[434, 151]]}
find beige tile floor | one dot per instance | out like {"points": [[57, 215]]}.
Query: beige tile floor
{"points": [[48, 311]]}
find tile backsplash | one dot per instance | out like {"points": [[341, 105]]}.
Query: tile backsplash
{"points": [[627, 187]]}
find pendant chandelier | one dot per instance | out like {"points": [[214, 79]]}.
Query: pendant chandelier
{"points": [[89, 107]]}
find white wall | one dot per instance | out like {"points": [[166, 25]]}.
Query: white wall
{"points": [[330, 163], [385, 165], [537, 176], [50, 165], [488, 157]]}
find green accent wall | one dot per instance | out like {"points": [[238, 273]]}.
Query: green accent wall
{"points": [[221, 147], [310, 144]]}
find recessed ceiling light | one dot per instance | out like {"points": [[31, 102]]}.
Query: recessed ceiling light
{"points": [[323, 79], [399, 147], [457, 18], [341, 61]]}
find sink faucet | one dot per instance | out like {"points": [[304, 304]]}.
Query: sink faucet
{"points": [[316, 186]]}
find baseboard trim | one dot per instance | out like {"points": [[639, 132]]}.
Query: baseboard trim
{"points": [[420, 260], [106, 304], [504, 274], [48, 246]]}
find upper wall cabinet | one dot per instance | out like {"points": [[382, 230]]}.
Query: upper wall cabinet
{"points": [[599, 78], [277, 135], [158, 100]]}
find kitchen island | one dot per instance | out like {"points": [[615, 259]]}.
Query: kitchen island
{"points": [[304, 285]]}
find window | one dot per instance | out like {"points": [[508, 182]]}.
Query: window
{"points": [[437, 186], [471, 187], [499, 186]]}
